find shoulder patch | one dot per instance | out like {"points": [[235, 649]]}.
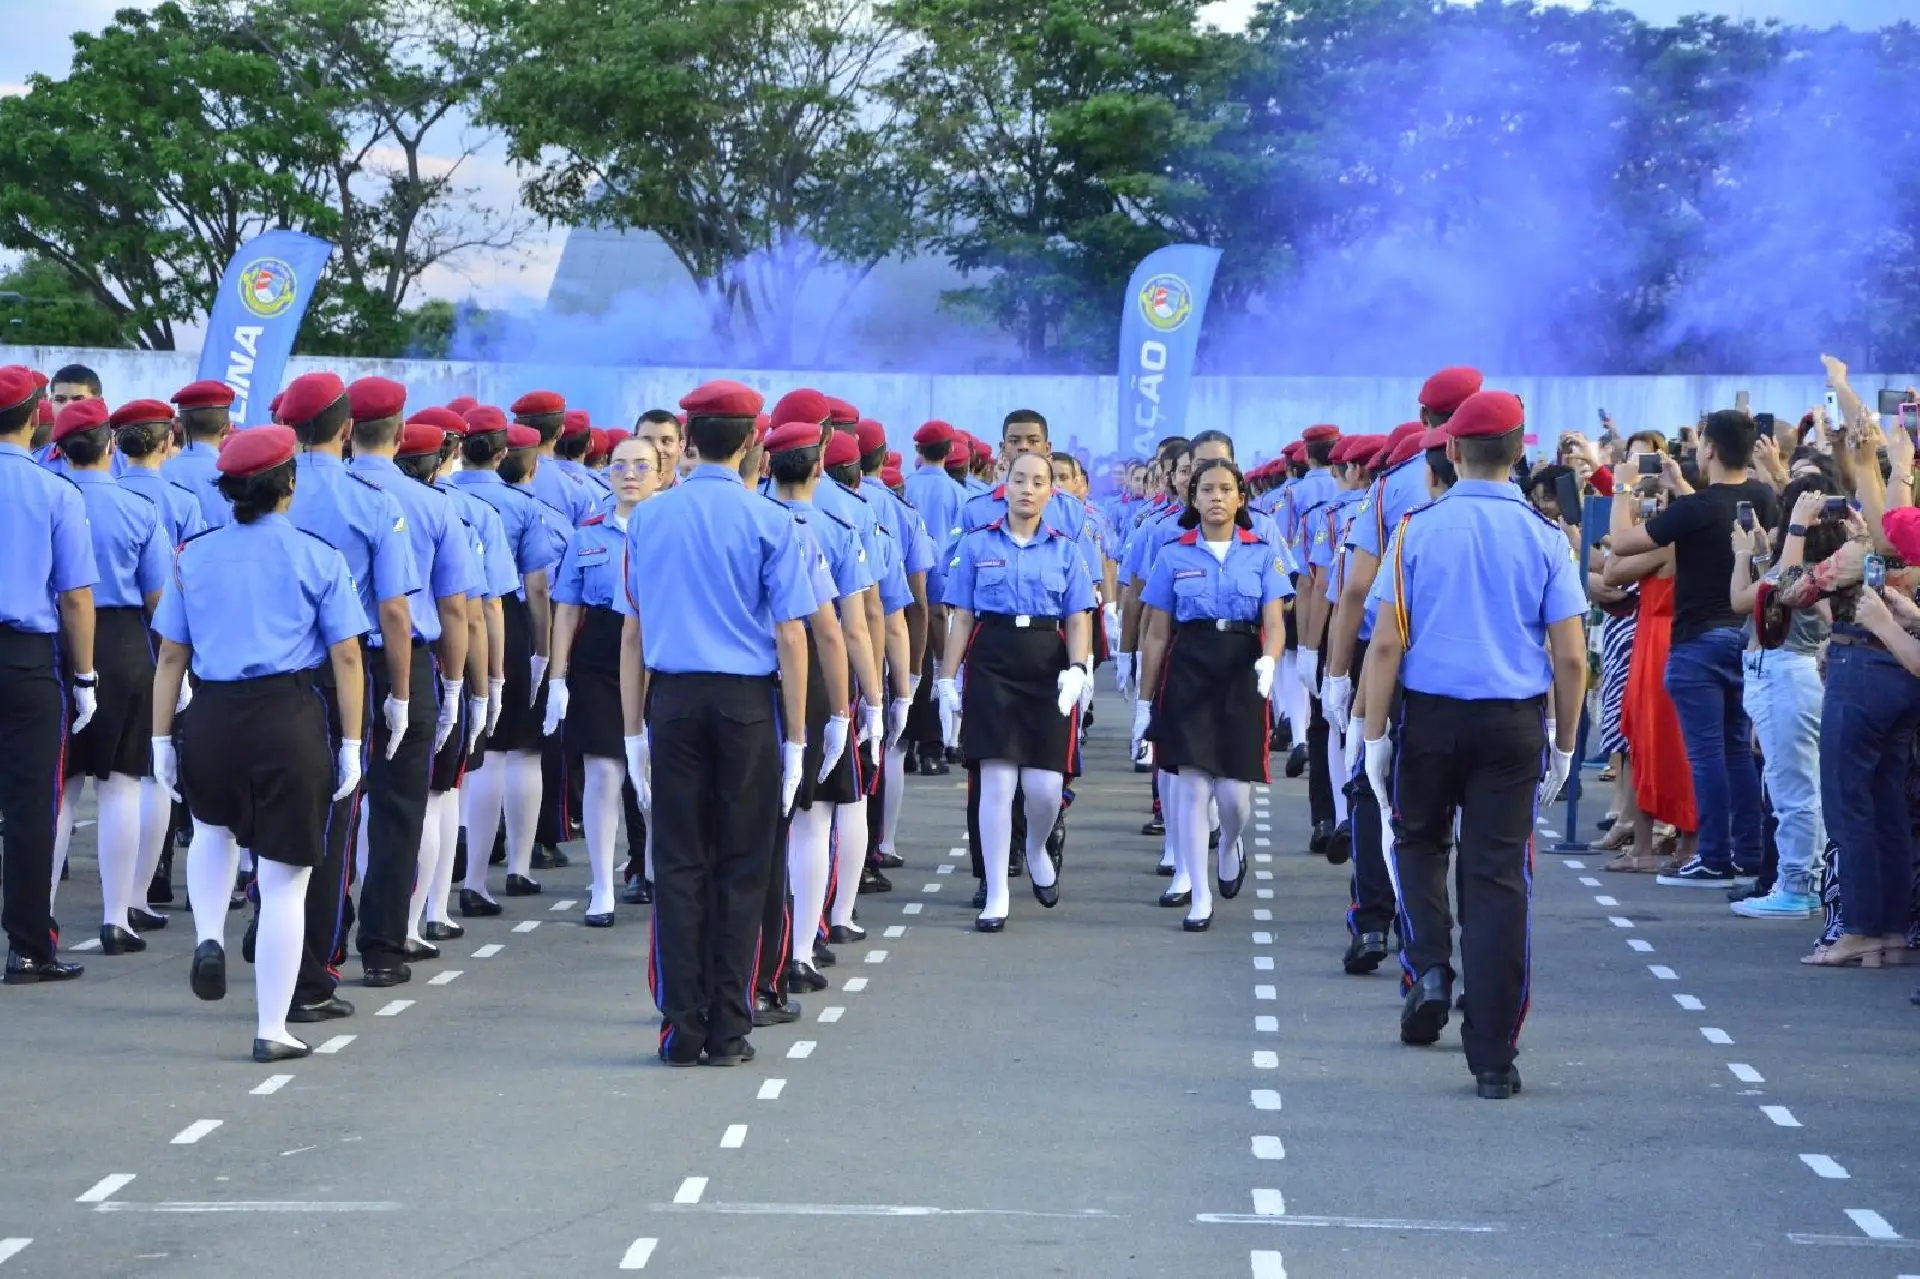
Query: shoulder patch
{"points": [[592, 520], [355, 475], [845, 524]]}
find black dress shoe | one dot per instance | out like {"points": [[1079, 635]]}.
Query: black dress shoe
{"points": [[328, 1009], [980, 897], [601, 919], [889, 861], [990, 924], [160, 892], [549, 857], [637, 892], [1365, 953], [1230, 888], [1153, 826], [804, 976], [911, 759], [1165, 871], [1339, 845], [872, 881], [1057, 841], [1017, 864], [478, 904], [118, 941], [770, 1009], [145, 921], [935, 767], [846, 934], [521, 886], [248, 938], [1171, 898], [1048, 896], [208, 976], [1213, 840], [434, 930], [1428, 1004], [1317, 841], [266, 1051], [953, 755], [822, 957], [23, 970], [498, 857], [381, 978], [1196, 925], [1296, 760], [679, 1059], [415, 951], [737, 1053], [1497, 1085]]}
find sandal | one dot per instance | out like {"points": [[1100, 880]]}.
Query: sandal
{"points": [[1632, 863], [1858, 952], [1609, 774], [1616, 839], [1893, 950]]}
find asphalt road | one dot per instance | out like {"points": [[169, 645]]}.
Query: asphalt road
{"points": [[1092, 1093]]}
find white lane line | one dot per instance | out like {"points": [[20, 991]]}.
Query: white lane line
{"points": [[1263, 875], [1262, 826], [931, 888], [1266, 1099], [1263, 858], [91, 943], [1744, 1073], [489, 950], [1264, 1060], [1663, 972], [855, 985], [335, 1044], [639, 1252], [1267, 1265], [109, 1186], [1264, 894], [734, 1137], [911, 908], [13, 1247], [194, 1132], [943, 869], [1263, 939], [1263, 963], [1601, 899], [1265, 992], [1872, 1224], [770, 1089], [270, 1085], [690, 1190], [1261, 841], [1715, 1035], [897, 930], [394, 1009], [1262, 915], [1574, 863], [830, 1015], [1824, 1166], [564, 904], [876, 957], [1268, 1148], [1269, 1203], [1690, 1002], [802, 1049], [1589, 881], [1644, 947], [1267, 1025], [526, 926], [957, 852], [444, 978], [1781, 1116], [1619, 921]]}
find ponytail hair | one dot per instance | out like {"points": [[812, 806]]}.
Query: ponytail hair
{"points": [[256, 495]]}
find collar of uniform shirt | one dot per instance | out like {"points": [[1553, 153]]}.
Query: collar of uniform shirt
{"points": [[308, 457], [716, 471]]}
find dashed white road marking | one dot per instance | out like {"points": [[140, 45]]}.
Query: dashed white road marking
{"points": [[1663, 972], [690, 1190], [12, 1247], [802, 1049], [1269, 1203], [1267, 1265], [91, 943], [1261, 841], [943, 869], [1262, 915], [444, 978], [896, 930], [1744, 1073], [1267, 1025], [639, 1252], [1265, 992], [1690, 1002], [1781, 1116], [270, 1085], [526, 926], [830, 1015], [1824, 1166], [1264, 894], [563, 904], [1263, 963], [109, 1186], [1589, 881], [394, 1009], [911, 908], [1264, 1060], [1263, 939], [931, 888], [1263, 858], [1872, 1224], [1549, 832], [957, 852], [734, 1137], [194, 1132], [335, 1044], [1574, 863], [1268, 1148], [1266, 1099], [770, 1089], [1619, 921], [1262, 826], [489, 950], [854, 985], [1644, 947], [876, 957], [1715, 1035], [1602, 899]]}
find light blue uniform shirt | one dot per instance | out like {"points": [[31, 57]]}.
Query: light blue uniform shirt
{"points": [[1390, 497], [437, 537], [848, 568], [259, 599], [130, 550], [992, 573], [1143, 548], [497, 576], [564, 494], [1191, 585], [179, 509], [595, 563], [1329, 532], [589, 481], [1306, 495], [937, 498], [363, 522], [193, 468], [532, 546], [1485, 576], [712, 568], [43, 528], [901, 520], [974, 484]]}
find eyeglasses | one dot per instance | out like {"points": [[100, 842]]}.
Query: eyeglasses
{"points": [[631, 468]]}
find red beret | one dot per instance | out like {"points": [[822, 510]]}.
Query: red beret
{"points": [[842, 413], [1341, 448], [891, 477], [81, 415], [762, 423], [1446, 390], [1320, 434], [1487, 413], [446, 421], [256, 449], [43, 415], [372, 398], [273, 405], [803, 405], [207, 394], [462, 404], [40, 379], [983, 452], [871, 434], [789, 436], [17, 385], [1404, 430], [1902, 527], [616, 436], [534, 403], [522, 437], [310, 394], [1435, 438], [484, 419], [722, 399], [576, 423], [141, 411], [960, 453], [598, 445], [842, 449], [1293, 451], [1409, 446], [418, 438]]}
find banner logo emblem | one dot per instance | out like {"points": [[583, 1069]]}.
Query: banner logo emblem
{"points": [[268, 287], [1166, 302]]}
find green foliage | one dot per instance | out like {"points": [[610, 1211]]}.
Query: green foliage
{"points": [[41, 306]]}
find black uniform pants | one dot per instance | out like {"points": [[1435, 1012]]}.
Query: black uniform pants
{"points": [[1320, 780], [1482, 758], [636, 867], [329, 911], [923, 717], [33, 729], [563, 775], [716, 813], [396, 807], [1373, 904], [776, 923]]}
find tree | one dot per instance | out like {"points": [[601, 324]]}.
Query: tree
{"points": [[40, 305], [744, 133]]}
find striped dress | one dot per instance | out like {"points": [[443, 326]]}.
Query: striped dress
{"points": [[1616, 658]]}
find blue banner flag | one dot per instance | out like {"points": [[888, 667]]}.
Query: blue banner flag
{"points": [[1159, 333], [250, 333]]}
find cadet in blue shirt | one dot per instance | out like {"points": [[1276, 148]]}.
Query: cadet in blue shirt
{"points": [[205, 418], [1483, 613], [1216, 608], [933, 492], [46, 592], [143, 432], [131, 555], [1021, 597], [715, 593], [255, 609], [586, 660]]}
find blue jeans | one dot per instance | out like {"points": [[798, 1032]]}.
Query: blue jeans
{"points": [[1783, 696], [1866, 736], [1704, 681]]}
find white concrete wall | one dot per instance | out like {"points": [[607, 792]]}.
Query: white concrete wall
{"points": [[1261, 413]]}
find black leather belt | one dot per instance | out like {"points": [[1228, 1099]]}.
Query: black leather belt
{"points": [[1021, 620], [1222, 625]]}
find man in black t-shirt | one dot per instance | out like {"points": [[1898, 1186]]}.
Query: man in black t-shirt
{"points": [[1703, 668]]}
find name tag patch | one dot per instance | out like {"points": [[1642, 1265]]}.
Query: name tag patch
{"points": [[593, 553], [988, 563], [1181, 575]]}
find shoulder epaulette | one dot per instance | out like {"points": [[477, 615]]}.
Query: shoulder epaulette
{"points": [[592, 520], [843, 523], [355, 475]]}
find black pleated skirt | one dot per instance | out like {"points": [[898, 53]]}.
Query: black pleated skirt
{"points": [[1010, 703], [1207, 713], [119, 739], [257, 759], [843, 783], [520, 720], [596, 724]]}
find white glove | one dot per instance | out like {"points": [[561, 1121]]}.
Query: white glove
{"points": [[897, 711], [476, 721], [640, 769], [537, 667], [394, 712], [913, 686], [1307, 663], [496, 696], [86, 700], [793, 758], [166, 767], [1110, 614], [832, 746], [186, 696], [1336, 700], [1558, 770], [873, 724], [1380, 769], [346, 772], [1142, 717], [947, 693], [1070, 685], [1263, 676], [1123, 674], [556, 705], [450, 690], [1351, 751]]}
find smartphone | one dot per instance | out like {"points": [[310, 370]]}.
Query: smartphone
{"points": [[1649, 507], [1566, 489], [1833, 412], [1743, 511], [1649, 464], [1740, 401], [1763, 422], [1874, 573], [1891, 398], [1603, 417], [1835, 506]]}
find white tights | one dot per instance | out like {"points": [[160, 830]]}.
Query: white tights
{"points": [[430, 892], [156, 813], [506, 783], [1193, 792], [117, 840], [850, 856], [1290, 698], [601, 798], [894, 782], [809, 857], [212, 861], [1042, 788]]}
